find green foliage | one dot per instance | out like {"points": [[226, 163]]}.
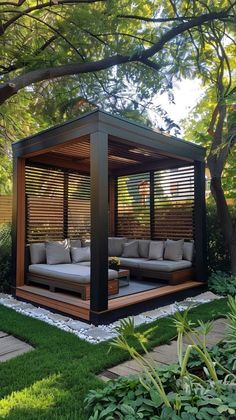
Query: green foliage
{"points": [[218, 252], [222, 283], [175, 391], [5, 258], [52, 381]]}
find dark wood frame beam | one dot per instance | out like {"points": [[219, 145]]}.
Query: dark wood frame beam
{"points": [[99, 221]]}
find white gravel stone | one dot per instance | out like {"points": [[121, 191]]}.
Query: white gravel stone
{"points": [[78, 325]]}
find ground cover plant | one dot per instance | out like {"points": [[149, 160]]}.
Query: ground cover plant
{"points": [[52, 381], [223, 284], [5, 258], [202, 385]]}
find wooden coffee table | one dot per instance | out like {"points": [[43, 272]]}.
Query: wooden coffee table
{"points": [[124, 277]]}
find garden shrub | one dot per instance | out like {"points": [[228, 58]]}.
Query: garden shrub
{"points": [[201, 386], [218, 253], [223, 284], [5, 258]]}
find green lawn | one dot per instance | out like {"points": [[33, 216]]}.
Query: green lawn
{"points": [[52, 381]]}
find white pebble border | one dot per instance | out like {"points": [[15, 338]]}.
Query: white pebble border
{"points": [[94, 334]]}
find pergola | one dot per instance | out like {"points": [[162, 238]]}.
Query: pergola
{"points": [[75, 173]]}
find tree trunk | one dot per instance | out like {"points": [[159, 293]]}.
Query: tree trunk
{"points": [[226, 222]]}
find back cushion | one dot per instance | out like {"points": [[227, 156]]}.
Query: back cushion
{"points": [[188, 251], [80, 254], [115, 246], [156, 250], [58, 253], [174, 250], [38, 253], [75, 243], [143, 248], [130, 250]]}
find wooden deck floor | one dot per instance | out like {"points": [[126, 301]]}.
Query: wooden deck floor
{"points": [[11, 347], [80, 308]]}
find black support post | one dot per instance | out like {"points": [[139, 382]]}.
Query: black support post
{"points": [[99, 221], [200, 222], [152, 205], [65, 205]]}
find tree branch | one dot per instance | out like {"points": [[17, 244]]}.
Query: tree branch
{"points": [[13, 86]]}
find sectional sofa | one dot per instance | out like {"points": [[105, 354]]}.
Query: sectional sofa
{"points": [[164, 260], [65, 264]]}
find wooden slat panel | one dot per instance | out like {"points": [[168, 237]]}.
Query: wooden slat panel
{"points": [[133, 206], [58, 204], [174, 203], [5, 208]]}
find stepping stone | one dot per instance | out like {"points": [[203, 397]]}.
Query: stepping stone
{"points": [[77, 325], [11, 347], [97, 333]]}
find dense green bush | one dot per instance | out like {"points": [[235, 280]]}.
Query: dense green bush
{"points": [[223, 284], [218, 254], [5, 258]]}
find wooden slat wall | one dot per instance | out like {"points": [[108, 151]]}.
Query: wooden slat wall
{"points": [[58, 204], [167, 214], [5, 208], [174, 203], [133, 206]]}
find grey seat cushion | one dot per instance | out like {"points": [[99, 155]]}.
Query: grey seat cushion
{"points": [[115, 246], [130, 262], [164, 265], [67, 272]]}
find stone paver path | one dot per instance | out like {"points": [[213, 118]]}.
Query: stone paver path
{"points": [[165, 354], [11, 347]]}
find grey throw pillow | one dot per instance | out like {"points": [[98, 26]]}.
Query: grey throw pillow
{"points": [[131, 250], [143, 248], [80, 254], [188, 251], [115, 246], [58, 253], [75, 243], [156, 250], [38, 253], [174, 250]]}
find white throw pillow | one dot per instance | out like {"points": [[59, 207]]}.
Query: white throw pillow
{"points": [[80, 254], [156, 250], [174, 250], [188, 251]]}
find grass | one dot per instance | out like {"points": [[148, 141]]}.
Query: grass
{"points": [[52, 381]]}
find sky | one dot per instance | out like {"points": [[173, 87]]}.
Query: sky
{"points": [[186, 93]]}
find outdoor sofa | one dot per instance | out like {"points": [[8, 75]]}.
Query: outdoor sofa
{"points": [[65, 264], [163, 260]]}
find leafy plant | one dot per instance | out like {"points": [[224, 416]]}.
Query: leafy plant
{"points": [[5, 258], [175, 391], [222, 283]]}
